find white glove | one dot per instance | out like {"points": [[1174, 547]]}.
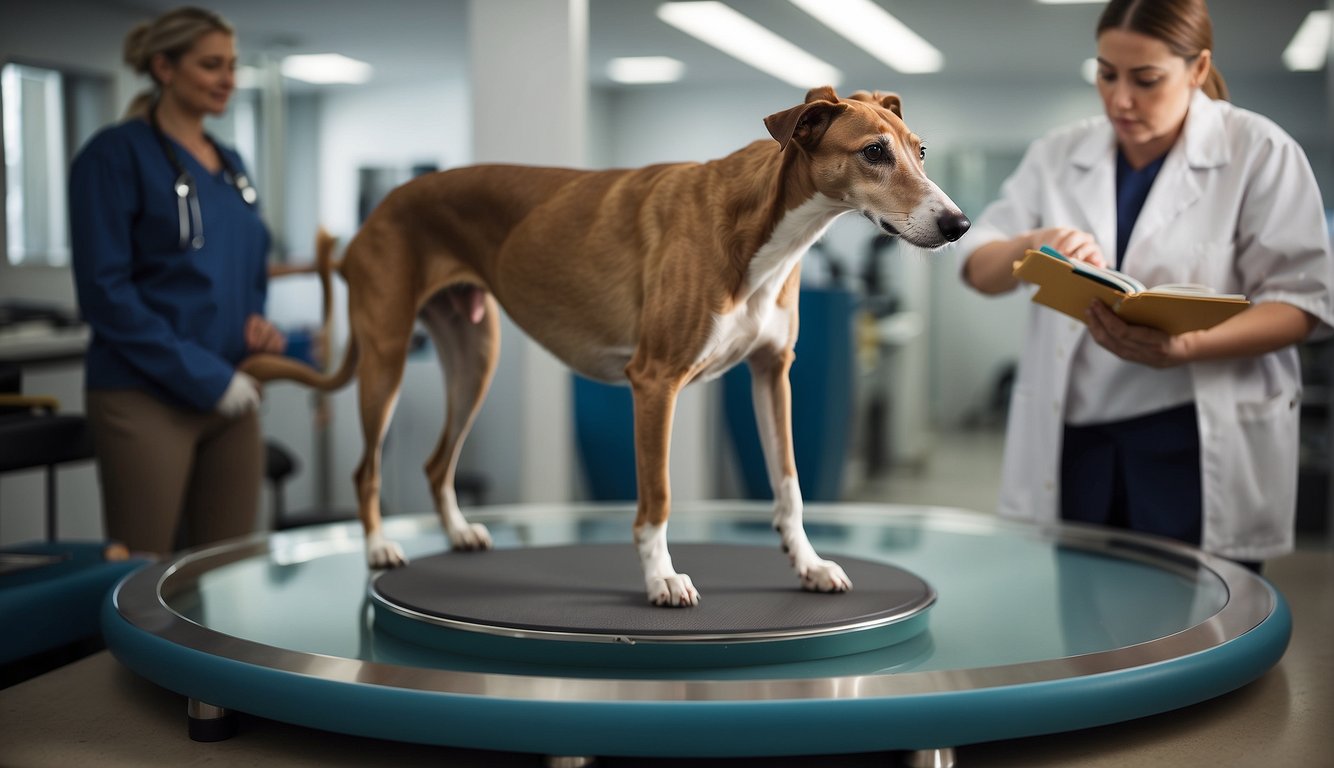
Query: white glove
{"points": [[242, 395]]}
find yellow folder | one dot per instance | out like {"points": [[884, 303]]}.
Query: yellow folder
{"points": [[1070, 287]]}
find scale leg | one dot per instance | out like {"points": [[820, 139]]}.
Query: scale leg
{"points": [[931, 758], [210, 723], [569, 761]]}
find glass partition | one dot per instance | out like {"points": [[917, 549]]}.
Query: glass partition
{"points": [[48, 114]]}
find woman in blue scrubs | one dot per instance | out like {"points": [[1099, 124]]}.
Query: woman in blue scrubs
{"points": [[1192, 436], [169, 256]]}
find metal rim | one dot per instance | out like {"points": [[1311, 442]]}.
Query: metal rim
{"points": [[141, 600]]}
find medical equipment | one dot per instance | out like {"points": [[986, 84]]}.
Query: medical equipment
{"points": [[187, 195]]}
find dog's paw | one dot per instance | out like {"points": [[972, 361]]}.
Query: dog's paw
{"points": [[675, 590], [382, 553], [470, 538], [825, 576]]}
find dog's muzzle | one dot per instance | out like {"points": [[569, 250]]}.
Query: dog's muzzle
{"points": [[882, 223]]}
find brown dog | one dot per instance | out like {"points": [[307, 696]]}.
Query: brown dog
{"points": [[657, 276]]}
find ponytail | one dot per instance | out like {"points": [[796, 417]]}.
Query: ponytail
{"points": [[1214, 87], [141, 104]]}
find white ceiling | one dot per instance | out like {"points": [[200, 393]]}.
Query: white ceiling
{"points": [[1002, 41]]}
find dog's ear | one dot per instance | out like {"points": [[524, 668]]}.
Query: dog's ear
{"points": [[823, 93], [805, 123], [892, 102], [889, 101]]}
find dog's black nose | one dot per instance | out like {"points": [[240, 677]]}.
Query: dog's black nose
{"points": [[953, 225]]}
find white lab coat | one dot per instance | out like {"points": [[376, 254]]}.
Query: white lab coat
{"points": [[1236, 207]]}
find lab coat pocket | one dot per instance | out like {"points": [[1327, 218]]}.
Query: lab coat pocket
{"points": [[1262, 483], [1275, 407]]}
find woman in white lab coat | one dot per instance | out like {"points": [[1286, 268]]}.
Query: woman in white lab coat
{"points": [[1192, 436]]}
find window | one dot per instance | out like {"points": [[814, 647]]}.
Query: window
{"points": [[47, 115]]}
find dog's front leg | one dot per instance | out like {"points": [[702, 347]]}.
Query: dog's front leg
{"points": [[772, 395], [655, 405]]}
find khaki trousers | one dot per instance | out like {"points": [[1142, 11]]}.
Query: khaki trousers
{"points": [[172, 476]]}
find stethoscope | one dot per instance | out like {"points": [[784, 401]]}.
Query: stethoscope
{"points": [[187, 195]]}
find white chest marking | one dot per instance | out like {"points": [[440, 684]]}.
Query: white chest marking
{"points": [[756, 320], [796, 232]]}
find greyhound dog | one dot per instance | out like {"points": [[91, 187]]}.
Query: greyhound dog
{"points": [[658, 276]]}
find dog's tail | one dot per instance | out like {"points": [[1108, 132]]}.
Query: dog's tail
{"points": [[269, 367]]}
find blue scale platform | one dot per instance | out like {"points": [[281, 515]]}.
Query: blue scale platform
{"points": [[1034, 630]]}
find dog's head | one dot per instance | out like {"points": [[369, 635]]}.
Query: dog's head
{"points": [[862, 154]]}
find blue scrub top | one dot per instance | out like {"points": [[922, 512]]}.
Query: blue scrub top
{"points": [[164, 321]]}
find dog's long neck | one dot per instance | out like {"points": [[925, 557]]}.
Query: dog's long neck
{"points": [[775, 216]]}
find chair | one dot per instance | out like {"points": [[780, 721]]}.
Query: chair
{"points": [[33, 434], [52, 589]]}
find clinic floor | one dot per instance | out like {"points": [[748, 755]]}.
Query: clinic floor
{"points": [[963, 471], [95, 712]]}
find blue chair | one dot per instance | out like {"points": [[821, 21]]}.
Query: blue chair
{"points": [[822, 400], [605, 435]]}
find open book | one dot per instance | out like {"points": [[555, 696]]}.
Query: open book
{"points": [[1069, 286]]}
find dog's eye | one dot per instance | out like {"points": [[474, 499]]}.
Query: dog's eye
{"points": [[874, 153], [922, 153]]}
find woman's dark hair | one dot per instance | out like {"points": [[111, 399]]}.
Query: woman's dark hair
{"points": [[1183, 25]]}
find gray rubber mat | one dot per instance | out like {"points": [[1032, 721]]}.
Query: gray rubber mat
{"points": [[598, 589]]}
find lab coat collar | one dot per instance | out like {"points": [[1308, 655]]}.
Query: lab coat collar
{"points": [[1096, 146], [1093, 183], [1203, 143], [1204, 138]]}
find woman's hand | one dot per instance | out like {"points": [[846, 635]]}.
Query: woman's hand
{"points": [[1137, 343], [1071, 243], [990, 267], [263, 336]]}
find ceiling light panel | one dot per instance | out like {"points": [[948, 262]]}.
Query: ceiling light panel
{"points": [[741, 38], [876, 31], [1309, 48], [326, 69], [640, 70]]}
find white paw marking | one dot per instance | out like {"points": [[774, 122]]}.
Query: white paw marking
{"points": [[470, 538], [675, 590], [665, 585], [382, 553], [825, 576]]}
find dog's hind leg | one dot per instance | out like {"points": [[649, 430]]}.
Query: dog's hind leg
{"points": [[772, 395], [384, 332], [655, 405], [468, 349]]}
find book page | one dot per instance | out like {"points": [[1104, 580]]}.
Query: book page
{"points": [[1193, 289]]}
